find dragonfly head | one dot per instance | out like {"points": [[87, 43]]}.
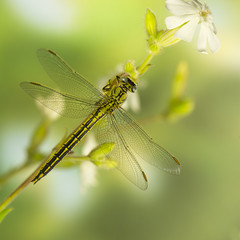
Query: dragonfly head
{"points": [[122, 81], [128, 82]]}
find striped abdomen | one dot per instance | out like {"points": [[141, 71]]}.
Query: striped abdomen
{"points": [[70, 143]]}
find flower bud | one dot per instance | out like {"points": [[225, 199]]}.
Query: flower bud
{"points": [[101, 151], [180, 80], [180, 108], [151, 23], [166, 38]]}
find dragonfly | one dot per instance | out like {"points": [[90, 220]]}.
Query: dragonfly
{"points": [[101, 111]]}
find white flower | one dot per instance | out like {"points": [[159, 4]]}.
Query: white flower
{"points": [[190, 14]]}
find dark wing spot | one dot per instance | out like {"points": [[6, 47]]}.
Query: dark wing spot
{"points": [[144, 175], [177, 161], [37, 84], [52, 52]]}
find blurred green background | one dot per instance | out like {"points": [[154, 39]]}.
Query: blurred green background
{"points": [[95, 37]]}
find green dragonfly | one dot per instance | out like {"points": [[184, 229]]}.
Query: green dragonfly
{"points": [[78, 98]]}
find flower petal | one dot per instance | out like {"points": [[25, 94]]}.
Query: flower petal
{"points": [[176, 21], [207, 35], [213, 42], [180, 7], [187, 31], [202, 39], [197, 4]]}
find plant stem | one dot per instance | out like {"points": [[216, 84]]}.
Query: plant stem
{"points": [[19, 189], [15, 193], [8, 175], [145, 63]]}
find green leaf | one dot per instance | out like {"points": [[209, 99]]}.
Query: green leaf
{"points": [[4, 213]]}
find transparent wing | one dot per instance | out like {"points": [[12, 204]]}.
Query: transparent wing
{"points": [[108, 131], [64, 104], [66, 78], [144, 146]]}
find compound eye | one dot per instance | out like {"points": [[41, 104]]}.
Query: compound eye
{"points": [[134, 88], [124, 79]]}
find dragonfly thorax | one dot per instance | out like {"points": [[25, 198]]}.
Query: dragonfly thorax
{"points": [[116, 90]]}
